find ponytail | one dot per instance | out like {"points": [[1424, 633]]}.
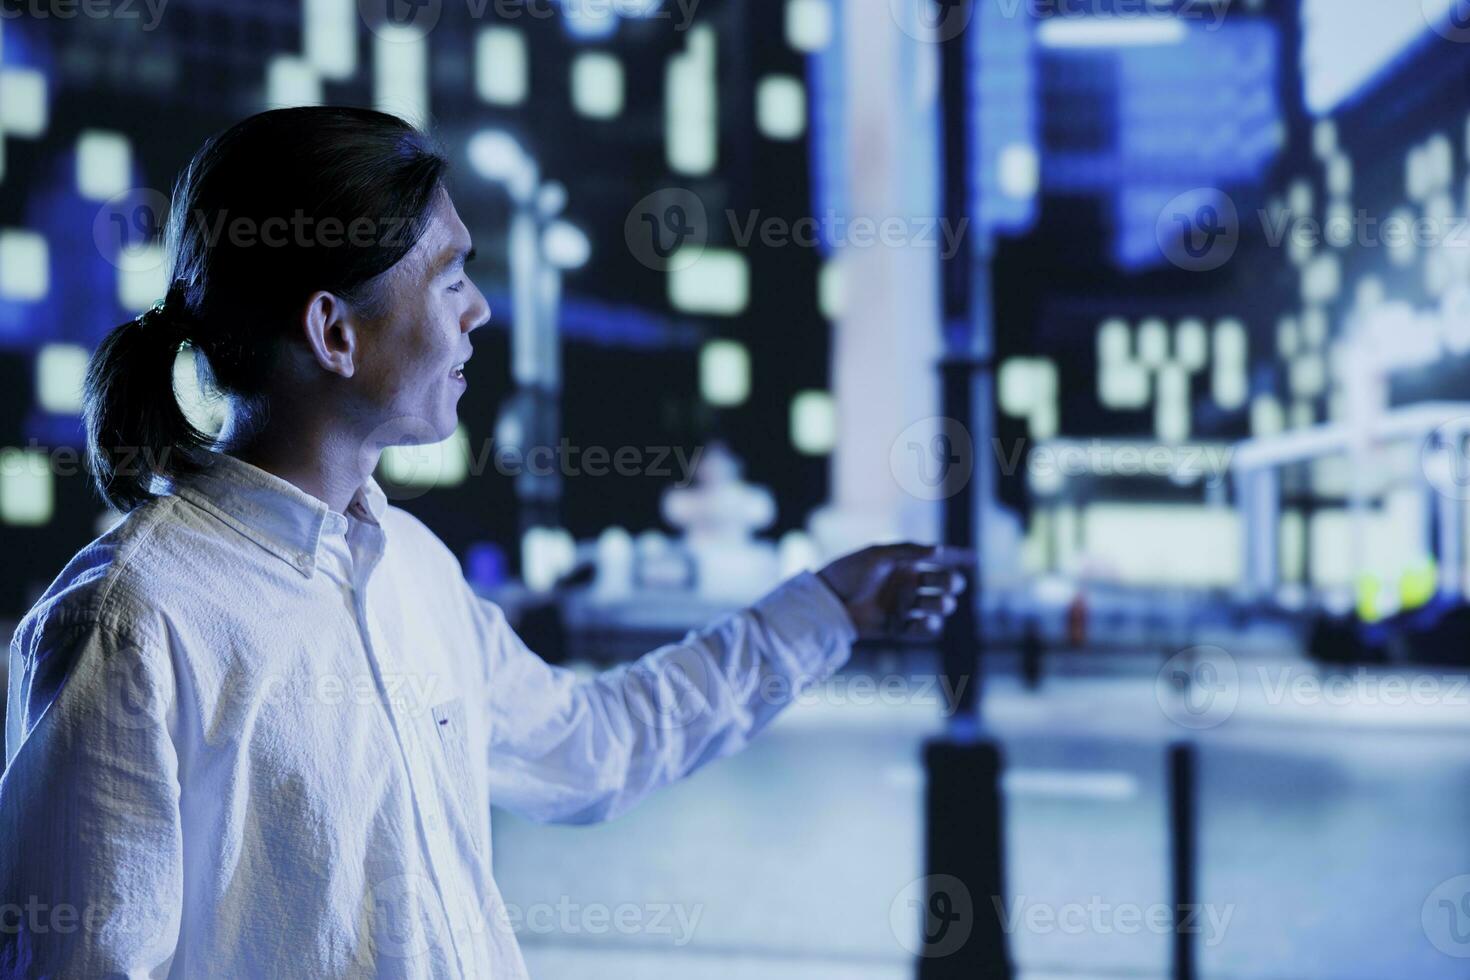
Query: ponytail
{"points": [[136, 430]]}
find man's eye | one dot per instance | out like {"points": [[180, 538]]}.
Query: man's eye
{"points": [[457, 286]]}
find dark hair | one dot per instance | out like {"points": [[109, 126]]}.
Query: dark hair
{"points": [[282, 204]]}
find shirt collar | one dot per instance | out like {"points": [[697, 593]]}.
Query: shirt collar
{"points": [[279, 516]]}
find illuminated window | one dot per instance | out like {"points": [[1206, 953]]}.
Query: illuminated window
{"points": [[1286, 337], [1309, 375], [143, 281], [1300, 199], [501, 66], [1153, 343], [1113, 341], [1230, 341], [813, 423], [597, 85], [60, 369], [690, 132], [1340, 176], [27, 494], [724, 373], [329, 36], [401, 73], [716, 282], [1020, 171], [1044, 420], [104, 164], [291, 82], [1267, 417], [1171, 407], [1416, 174], [1439, 162], [547, 553], [1122, 385], [1028, 389], [780, 107], [435, 464], [1401, 250], [1110, 32], [1191, 345], [1322, 281], [1017, 392], [22, 102], [808, 24], [1228, 381], [1324, 139], [25, 269], [830, 289]]}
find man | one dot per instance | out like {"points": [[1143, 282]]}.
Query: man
{"points": [[256, 729]]}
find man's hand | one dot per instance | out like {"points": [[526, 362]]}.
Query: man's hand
{"points": [[898, 588]]}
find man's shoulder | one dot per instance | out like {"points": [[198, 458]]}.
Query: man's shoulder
{"points": [[106, 584]]}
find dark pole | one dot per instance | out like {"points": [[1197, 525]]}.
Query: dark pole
{"points": [[965, 844], [1182, 794]]}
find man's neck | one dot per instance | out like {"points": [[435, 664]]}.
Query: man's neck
{"points": [[307, 450]]}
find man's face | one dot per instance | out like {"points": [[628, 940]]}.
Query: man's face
{"points": [[413, 355]]}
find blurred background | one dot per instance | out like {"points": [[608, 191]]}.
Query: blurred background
{"points": [[1163, 305]]}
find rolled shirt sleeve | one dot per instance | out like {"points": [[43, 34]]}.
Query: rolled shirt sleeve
{"points": [[579, 750], [90, 839]]}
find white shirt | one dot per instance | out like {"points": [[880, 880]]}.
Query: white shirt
{"points": [[249, 736]]}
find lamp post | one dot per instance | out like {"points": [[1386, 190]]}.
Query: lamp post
{"points": [[542, 246]]}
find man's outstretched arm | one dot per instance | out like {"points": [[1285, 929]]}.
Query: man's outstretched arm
{"points": [[579, 750]]}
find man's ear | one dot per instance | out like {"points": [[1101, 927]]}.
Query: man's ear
{"points": [[332, 333]]}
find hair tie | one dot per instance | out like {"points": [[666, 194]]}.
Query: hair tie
{"points": [[170, 314]]}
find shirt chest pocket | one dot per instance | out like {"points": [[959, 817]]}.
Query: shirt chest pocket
{"points": [[453, 741]]}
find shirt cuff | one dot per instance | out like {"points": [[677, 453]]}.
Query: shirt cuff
{"points": [[810, 622]]}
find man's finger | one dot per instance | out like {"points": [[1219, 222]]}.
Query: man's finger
{"points": [[933, 605], [934, 580], [945, 555]]}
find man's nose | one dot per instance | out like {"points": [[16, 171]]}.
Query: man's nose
{"points": [[479, 312]]}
